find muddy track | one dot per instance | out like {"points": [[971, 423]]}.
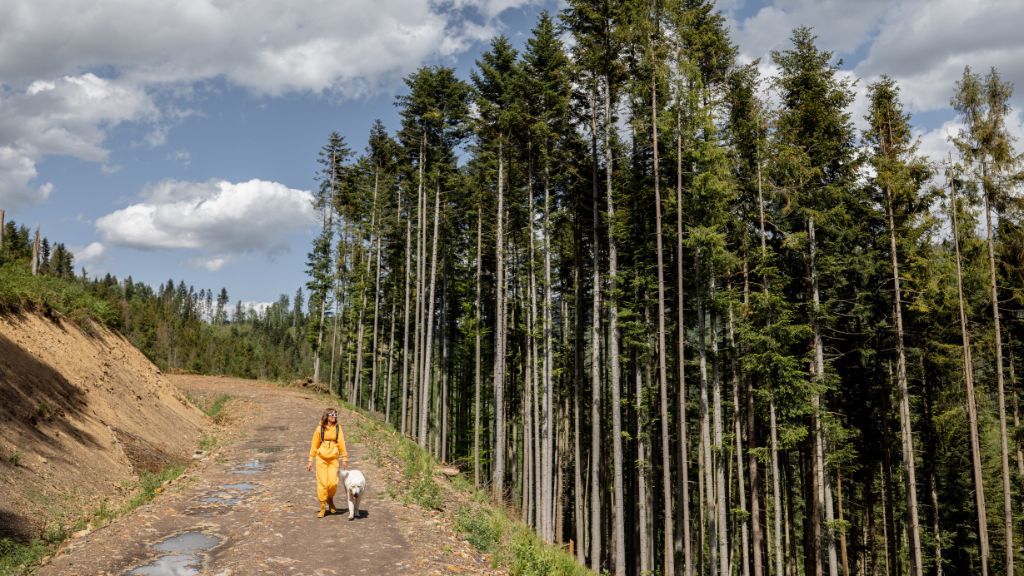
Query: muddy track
{"points": [[250, 508]]}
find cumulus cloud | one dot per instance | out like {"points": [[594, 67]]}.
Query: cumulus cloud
{"points": [[53, 100], [92, 253], [69, 116], [925, 45], [216, 217], [268, 47], [841, 26]]}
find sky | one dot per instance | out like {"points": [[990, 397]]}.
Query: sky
{"points": [[177, 139]]}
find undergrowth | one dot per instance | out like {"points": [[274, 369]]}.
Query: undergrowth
{"points": [[21, 291], [214, 409], [487, 527]]}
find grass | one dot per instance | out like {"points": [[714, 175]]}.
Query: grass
{"points": [[486, 526], [214, 409], [19, 558], [207, 442], [20, 290]]}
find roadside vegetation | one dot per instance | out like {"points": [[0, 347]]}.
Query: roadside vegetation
{"points": [[490, 528]]}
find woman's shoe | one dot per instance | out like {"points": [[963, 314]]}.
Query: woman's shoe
{"points": [[323, 510], [330, 506]]}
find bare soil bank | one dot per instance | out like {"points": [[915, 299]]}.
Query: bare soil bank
{"points": [[82, 415]]}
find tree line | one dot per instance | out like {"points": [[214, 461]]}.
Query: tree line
{"points": [[178, 328], [685, 317]]}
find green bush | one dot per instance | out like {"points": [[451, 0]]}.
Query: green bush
{"points": [[482, 528]]}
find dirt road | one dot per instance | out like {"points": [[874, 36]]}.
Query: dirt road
{"points": [[250, 508]]}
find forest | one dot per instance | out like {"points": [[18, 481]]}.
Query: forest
{"points": [[680, 316], [178, 328]]}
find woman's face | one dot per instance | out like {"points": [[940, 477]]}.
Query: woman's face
{"points": [[332, 416]]}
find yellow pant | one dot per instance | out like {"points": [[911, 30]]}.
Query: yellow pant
{"points": [[326, 478]]}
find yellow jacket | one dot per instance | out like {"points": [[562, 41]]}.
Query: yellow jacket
{"points": [[331, 446]]}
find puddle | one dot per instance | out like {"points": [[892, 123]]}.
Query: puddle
{"points": [[251, 467], [269, 449], [242, 486], [184, 558], [222, 500]]}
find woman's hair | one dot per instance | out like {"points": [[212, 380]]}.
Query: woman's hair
{"points": [[323, 417]]}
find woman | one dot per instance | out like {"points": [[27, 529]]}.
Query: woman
{"points": [[328, 444]]}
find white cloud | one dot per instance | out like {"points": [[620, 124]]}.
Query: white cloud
{"points": [[925, 44], [217, 218], [211, 264], [268, 47], [91, 253], [840, 26], [69, 116], [54, 102]]}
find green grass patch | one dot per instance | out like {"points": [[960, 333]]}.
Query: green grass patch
{"points": [[214, 409], [207, 442], [18, 558], [20, 290], [148, 484]]}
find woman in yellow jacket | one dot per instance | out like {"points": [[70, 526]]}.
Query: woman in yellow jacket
{"points": [[327, 445]]}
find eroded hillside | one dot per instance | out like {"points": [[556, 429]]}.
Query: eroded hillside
{"points": [[82, 414]]}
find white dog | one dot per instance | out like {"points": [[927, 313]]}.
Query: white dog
{"points": [[355, 483]]}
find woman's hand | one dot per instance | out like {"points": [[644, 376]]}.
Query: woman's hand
{"points": [[344, 464], [309, 466]]}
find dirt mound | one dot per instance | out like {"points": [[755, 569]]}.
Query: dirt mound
{"points": [[82, 414]]}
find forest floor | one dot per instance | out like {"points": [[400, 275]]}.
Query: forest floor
{"points": [[248, 506]]}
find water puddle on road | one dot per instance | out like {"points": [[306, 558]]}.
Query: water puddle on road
{"points": [[242, 486], [269, 449], [222, 500], [252, 467], [183, 558]]}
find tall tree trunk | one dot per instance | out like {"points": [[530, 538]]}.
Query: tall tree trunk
{"points": [[1000, 386], [684, 454], [417, 355], [825, 492], [428, 342], [498, 485], [357, 382], [710, 519], [666, 455], [972, 408], [476, 355], [405, 322], [35, 253], [613, 343], [549, 446], [718, 454], [780, 568], [907, 435], [391, 362], [595, 371], [376, 312], [738, 434], [579, 507], [842, 535], [646, 533]]}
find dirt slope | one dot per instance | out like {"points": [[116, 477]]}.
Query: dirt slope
{"points": [[81, 416]]}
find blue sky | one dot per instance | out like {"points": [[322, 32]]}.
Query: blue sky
{"points": [[178, 140]]}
